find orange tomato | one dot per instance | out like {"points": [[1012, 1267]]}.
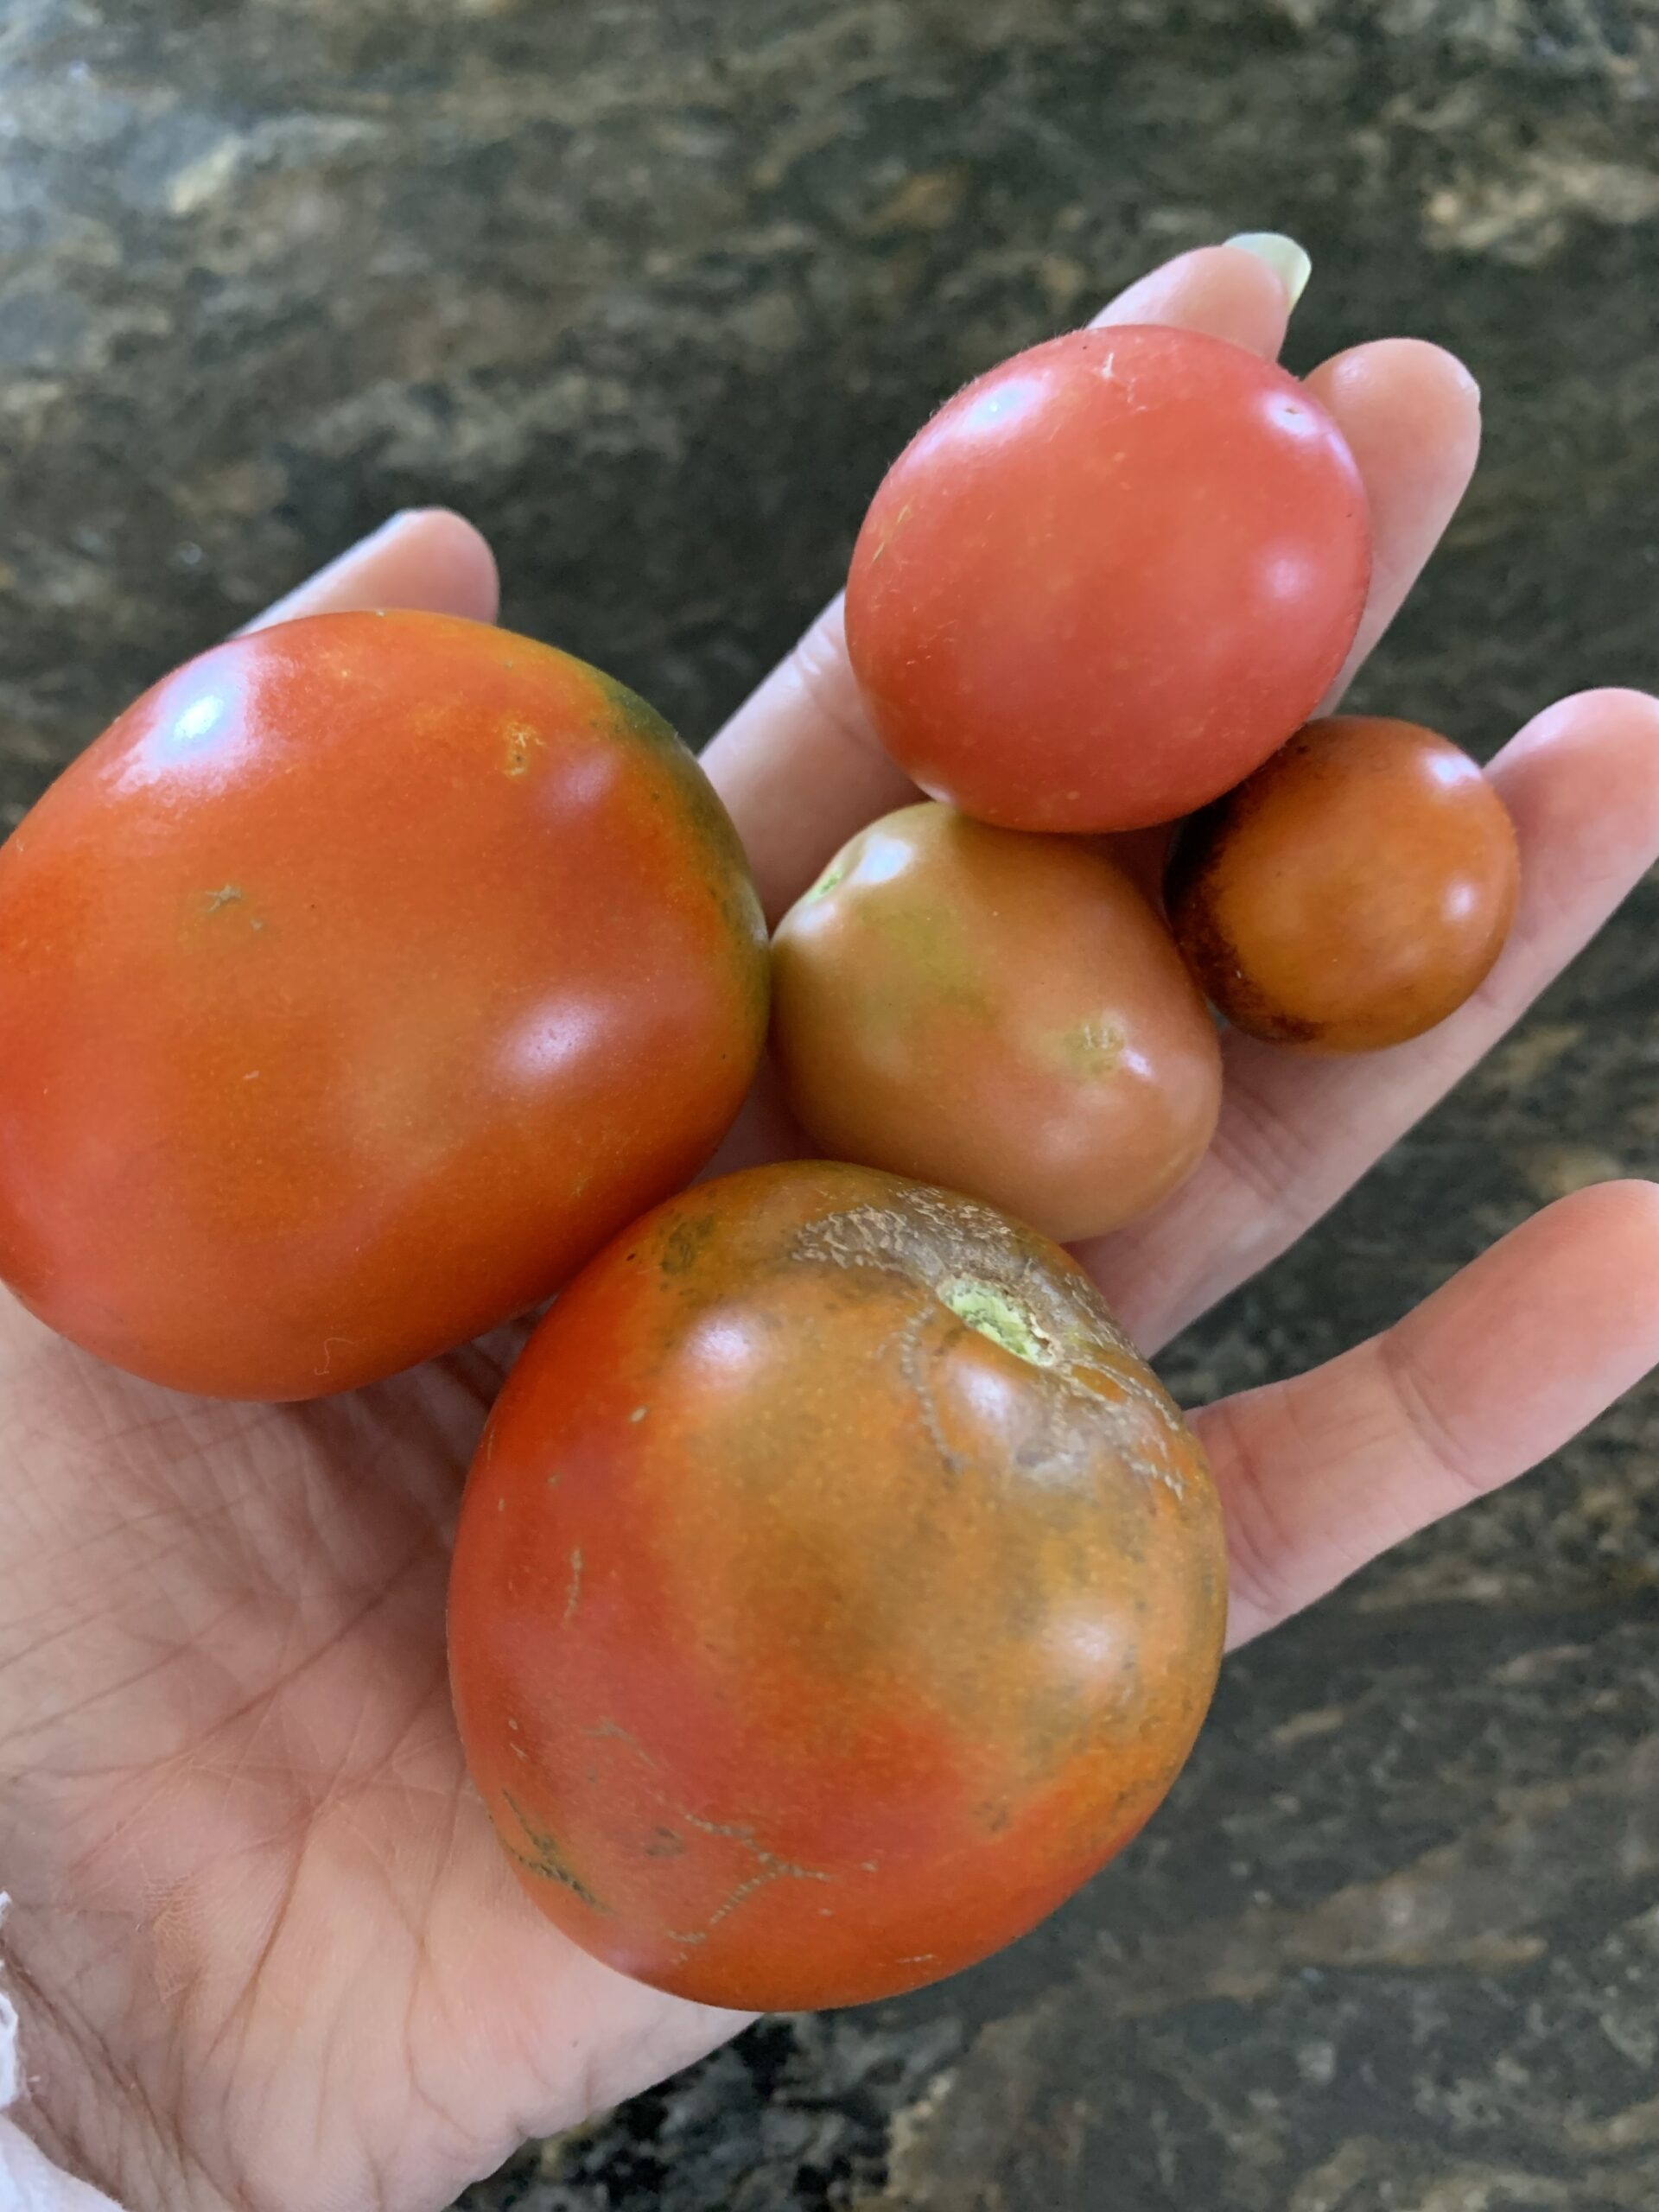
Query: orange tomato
{"points": [[365, 976], [1353, 891], [1000, 1012], [836, 1590]]}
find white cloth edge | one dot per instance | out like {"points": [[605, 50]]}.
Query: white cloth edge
{"points": [[28, 2181]]}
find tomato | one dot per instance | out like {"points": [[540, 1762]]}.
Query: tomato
{"points": [[355, 985], [1353, 891], [1107, 580], [836, 1590], [1000, 1012]]}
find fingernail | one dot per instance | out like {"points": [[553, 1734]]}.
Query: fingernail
{"points": [[1289, 262]]}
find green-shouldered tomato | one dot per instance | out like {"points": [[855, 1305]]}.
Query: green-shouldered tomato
{"points": [[836, 1590], [998, 1012], [362, 978]]}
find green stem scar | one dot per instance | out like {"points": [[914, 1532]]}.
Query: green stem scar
{"points": [[835, 874], [995, 1314]]}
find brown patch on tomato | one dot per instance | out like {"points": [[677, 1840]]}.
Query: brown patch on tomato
{"points": [[521, 741], [768, 1868], [1195, 897], [232, 900], [683, 1247], [545, 1858], [612, 1731], [1092, 1050]]}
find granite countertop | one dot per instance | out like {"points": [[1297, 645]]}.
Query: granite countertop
{"points": [[652, 288]]}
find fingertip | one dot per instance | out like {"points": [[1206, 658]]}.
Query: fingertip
{"points": [[1288, 257], [1604, 707], [1622, 1211], [1416, 365], [1629, 1203], [1621, 1219], [1226, 291], [451, 560], [1409, 411], [427, 559], [1569, 1299], [1584, 773]]}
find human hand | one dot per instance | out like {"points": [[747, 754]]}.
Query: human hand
{"points": [[267, 1951]]}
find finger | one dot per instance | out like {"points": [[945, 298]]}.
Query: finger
{"points": [[1487, 1377], [1581, 783], [429, 559], [1410, 413], [799, 766], [1230, 291]]}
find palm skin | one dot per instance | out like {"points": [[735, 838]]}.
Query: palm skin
{"points": [[267, 1950]]}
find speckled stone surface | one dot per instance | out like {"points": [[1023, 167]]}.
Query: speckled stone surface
{"points": [[652, 288]]}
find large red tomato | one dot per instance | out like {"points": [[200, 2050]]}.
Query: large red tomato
{"points": [[1107, 580], [358, 983], [836, 1590]]}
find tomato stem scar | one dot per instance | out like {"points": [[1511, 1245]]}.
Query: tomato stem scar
{"points": [[995, 1314]]}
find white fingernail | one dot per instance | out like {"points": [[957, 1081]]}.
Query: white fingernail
{"points": [[1289, 262]]}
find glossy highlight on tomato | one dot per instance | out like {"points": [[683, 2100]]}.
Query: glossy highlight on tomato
{"points": [[1107, 580], [836, 1590], [998, 1012], [1353, 893], [358, 983]]}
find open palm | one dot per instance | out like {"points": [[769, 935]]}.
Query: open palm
{"points": [[266, 1949]]}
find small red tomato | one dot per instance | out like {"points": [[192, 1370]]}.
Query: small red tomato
{"points": [[1000, 1012], [836, 1590], [1353, 891], [1107, 580], [365, 977]]}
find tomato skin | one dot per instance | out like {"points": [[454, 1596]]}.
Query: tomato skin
{"points": [[1107, 580], [357, 984], [1351, 894], [997, 1012], [808, 1644]]}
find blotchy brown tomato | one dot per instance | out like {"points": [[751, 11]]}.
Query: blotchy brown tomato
{"points": [[835, 1592], [365, 977], [1353, 891], [999, 1012]]}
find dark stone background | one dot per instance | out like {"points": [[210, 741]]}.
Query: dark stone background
{"points": [[652, 292]]}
